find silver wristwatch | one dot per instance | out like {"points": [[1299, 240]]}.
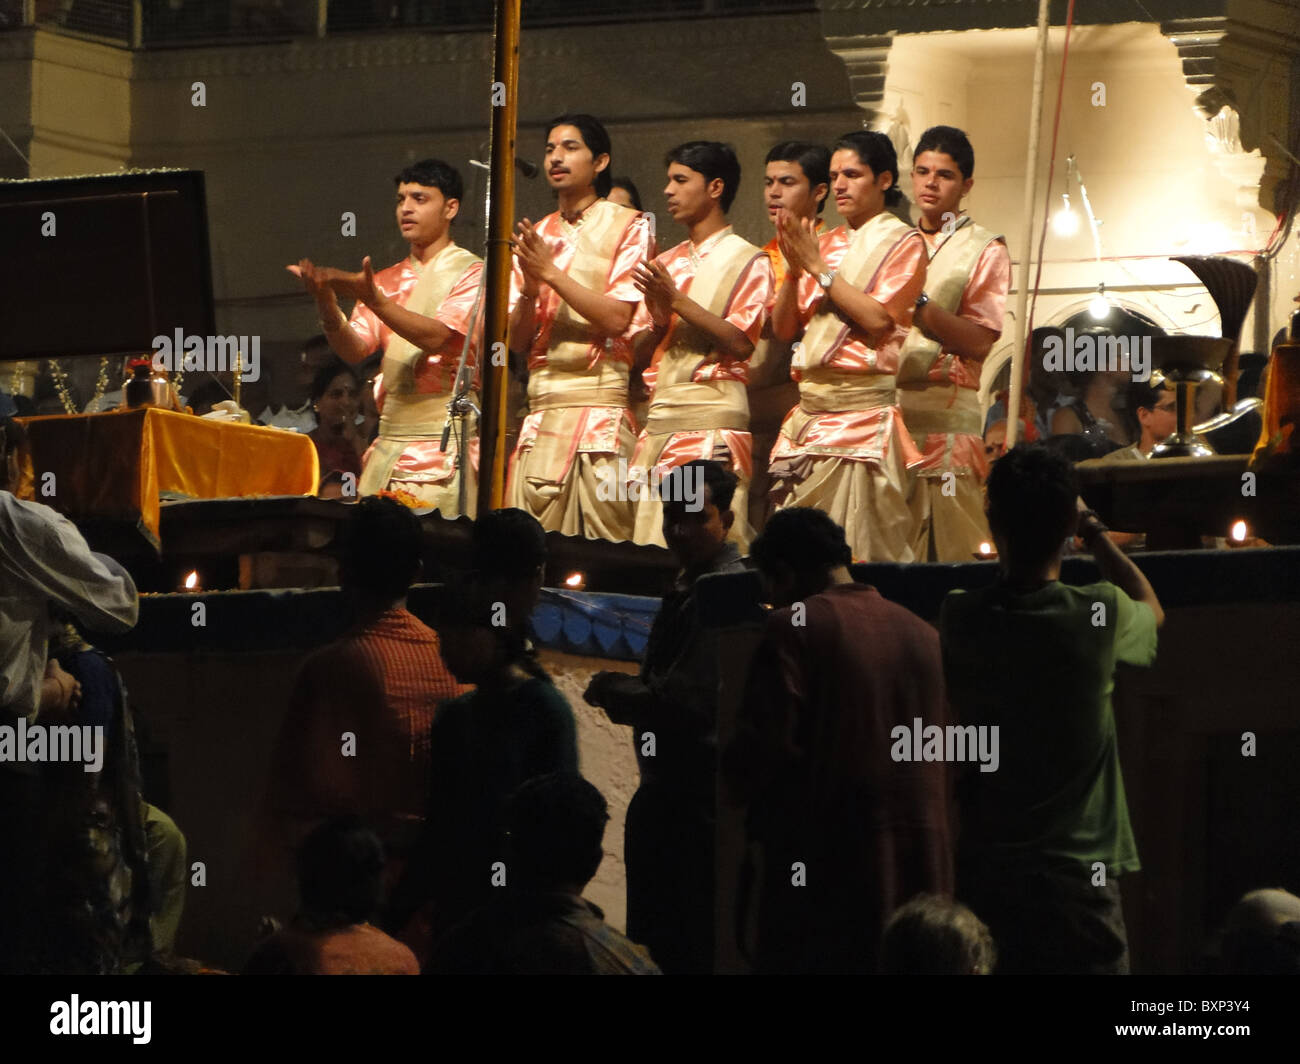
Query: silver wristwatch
{"points": [[826, 280]]}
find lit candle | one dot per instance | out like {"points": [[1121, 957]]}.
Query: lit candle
{"points": [[191, 582], [986, 552], [575, 581]]}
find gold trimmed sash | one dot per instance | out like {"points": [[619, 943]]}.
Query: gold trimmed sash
{"points": [[603, 227], [437, 279], [939, 410]]}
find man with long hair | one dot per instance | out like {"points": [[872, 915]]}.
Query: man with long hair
{"points": [[572, 304]]}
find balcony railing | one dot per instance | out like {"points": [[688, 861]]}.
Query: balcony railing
{"points": [[190, 23]]}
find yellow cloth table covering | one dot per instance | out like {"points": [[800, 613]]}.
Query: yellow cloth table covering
{"points": [[115, 465]]}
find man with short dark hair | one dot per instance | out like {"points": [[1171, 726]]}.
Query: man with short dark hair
{"points": [[797, 180], [705, 301], [379, 684], [1150, 415], [541, 925], [847, 832], [572, 303], [341, 885], [671, 707], [419, 312], [956, 322], [1046, 837]]}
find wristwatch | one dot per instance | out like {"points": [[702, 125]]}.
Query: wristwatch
{"points": [[921, 301], [1090, 526], [826, 280]]}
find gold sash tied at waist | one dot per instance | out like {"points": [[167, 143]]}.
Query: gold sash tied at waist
{"points": [[833, 394], [698, 406], [406, 419], [605, 384], [934, 410]]}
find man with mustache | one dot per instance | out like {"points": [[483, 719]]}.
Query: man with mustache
{"points": [[572, 303]]}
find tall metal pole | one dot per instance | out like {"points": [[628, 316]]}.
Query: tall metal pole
{"points": [[501, 211], [1027, 230]]}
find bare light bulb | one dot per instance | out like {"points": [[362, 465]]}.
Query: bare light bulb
{"points": [[1065, 222], [1099, 308]]}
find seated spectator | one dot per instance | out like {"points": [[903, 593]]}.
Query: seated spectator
{"points": [[1092, 415], [289, 380], [931, 935], [1150, 416], [847, 832], [540, 924], [515, 725], [338, 439], [118, 864], [44, 563], [378, 684], [340, 883], [995, 439], [1045, 838]]}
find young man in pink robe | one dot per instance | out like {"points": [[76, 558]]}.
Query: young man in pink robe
{"points": [[843, 449], [955, 324], [418, 312], [705, 303], [797, 178], [572, 306]]}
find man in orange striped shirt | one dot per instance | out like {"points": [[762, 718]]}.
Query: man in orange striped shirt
{"points": [[356, 737]]}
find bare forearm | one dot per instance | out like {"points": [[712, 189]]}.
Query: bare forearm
{"points": [[866, 313], [785, 312], [610, 316], [523, 324], [343, 339], [428, 334], [1118, 568], [959, 336]]}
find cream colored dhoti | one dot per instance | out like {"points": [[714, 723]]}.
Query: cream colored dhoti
{"points": [[407, 458], [946, 491], [690, 421], [850, 463], [566, 470]]}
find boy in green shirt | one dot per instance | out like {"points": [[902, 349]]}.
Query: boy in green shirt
{"points": [[1045, 838]]}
